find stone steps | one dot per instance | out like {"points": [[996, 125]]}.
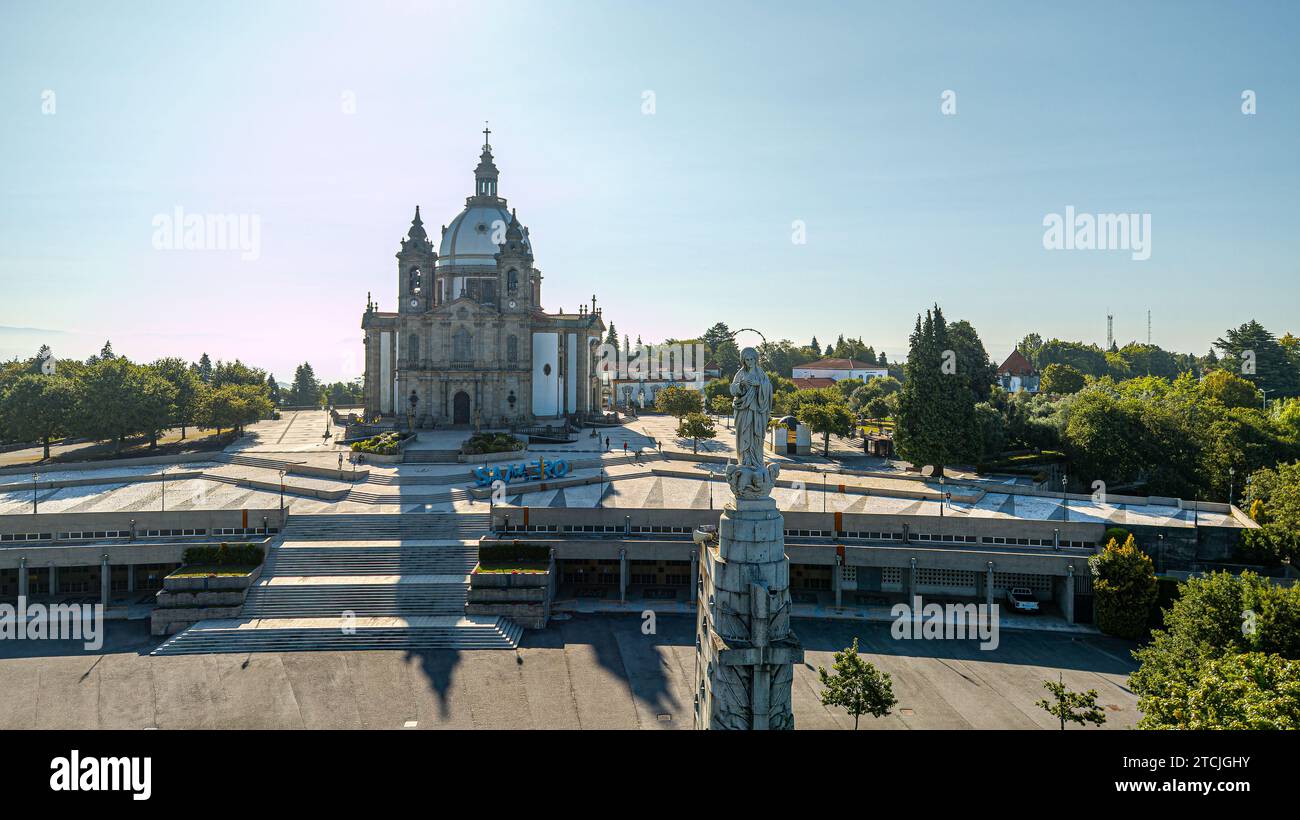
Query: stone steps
{"points": [[385, 526], [340, 634], [362, 600], [430, 456], [391, 560]]}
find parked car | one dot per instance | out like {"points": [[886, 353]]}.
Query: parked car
{"points": [[1022, 600]]}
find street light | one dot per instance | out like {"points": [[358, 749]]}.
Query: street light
{"points": [[1231, 475], [34, 477], [1065, 500], [164, 489], [282, 492], [942, 495]]}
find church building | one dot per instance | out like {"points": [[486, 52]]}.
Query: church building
{"points": [[470, 343]]}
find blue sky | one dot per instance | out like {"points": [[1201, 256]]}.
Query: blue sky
{"points": [[765, 113]]}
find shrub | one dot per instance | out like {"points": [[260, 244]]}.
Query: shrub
{"points": [[1117, 534], [481, 443], [384, 444], [244, 555], [1124, 590]]}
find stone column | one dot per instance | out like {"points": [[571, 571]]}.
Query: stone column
{"points": [[988, 586], [1067, 602], [837, 581], [105, 581], [22, 577], [747, 649], [130, 577], [695, 573], [622, 576]]}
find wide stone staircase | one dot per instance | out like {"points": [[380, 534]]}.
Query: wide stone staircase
{"points": [[411, 456], [349, 582]]}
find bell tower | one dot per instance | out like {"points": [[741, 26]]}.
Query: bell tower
{"points": [[415, 269], [515, 270]]}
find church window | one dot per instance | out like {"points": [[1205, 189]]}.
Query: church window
{"points": [[414, 341], [512, 281], [460, 345], [512, 348], [489, 292], [415, 281]]}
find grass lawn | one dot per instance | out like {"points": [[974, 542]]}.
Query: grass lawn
{"points": [[169, 443], [516, 566]]}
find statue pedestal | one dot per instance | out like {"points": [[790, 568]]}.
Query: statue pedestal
{"points": [[746, 649]]}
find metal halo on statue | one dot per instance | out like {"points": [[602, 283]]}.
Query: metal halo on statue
{"points": [[751, 330]]}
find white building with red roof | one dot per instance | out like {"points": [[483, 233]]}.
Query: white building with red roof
{"points": [[835, 370]]}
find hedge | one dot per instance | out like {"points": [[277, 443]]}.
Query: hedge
{"points": [[481, 443], [513, 553], [244, 555]]}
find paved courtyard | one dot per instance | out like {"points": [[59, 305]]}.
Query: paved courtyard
{"points": [[588, 672]]}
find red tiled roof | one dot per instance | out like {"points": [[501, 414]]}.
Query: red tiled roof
{"points": [[1016, 365], [813, 382], [839, 364]]}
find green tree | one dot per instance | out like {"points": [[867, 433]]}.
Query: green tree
{"points": [[1030, 347], [1229, 389], [204, 368], [824, 412], [154, 407], [1273, 500], [972, 360], [1124, 589], [234, 406], [721, 405], [237, 372], [678, 402], [1254, 353], [856, 686], [38, 408], [305, 391], [1214, 617], [188, 387], [1072, 707], [1061, 378], [273, 390], [935, 423], [696, 426], [107, 401], [1249, 690]]}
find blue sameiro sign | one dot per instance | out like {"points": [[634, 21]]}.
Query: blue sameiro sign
{"points": [[523, 471]]}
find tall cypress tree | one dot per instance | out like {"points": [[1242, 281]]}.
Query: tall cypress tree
{"points": [[936, 422]]}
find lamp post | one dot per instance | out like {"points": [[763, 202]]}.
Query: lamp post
{"points": [[1231, 475], [164, 489], [282, 493], [1160, 552], [600, 499], [942, 494], [34, 477], [823, 492], [1065, 499]]}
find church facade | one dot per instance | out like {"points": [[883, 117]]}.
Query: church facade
{"points": [[469, 343]]}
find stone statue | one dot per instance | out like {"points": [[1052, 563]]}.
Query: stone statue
{"points": [[749, 477]]}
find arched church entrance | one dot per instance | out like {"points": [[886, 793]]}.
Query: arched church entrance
{"points": [[460, 408]]}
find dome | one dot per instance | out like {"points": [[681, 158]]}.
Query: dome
{"points": [[467, 241]]}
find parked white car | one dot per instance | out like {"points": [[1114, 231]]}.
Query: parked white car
{"points": [[1022, 600]]}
